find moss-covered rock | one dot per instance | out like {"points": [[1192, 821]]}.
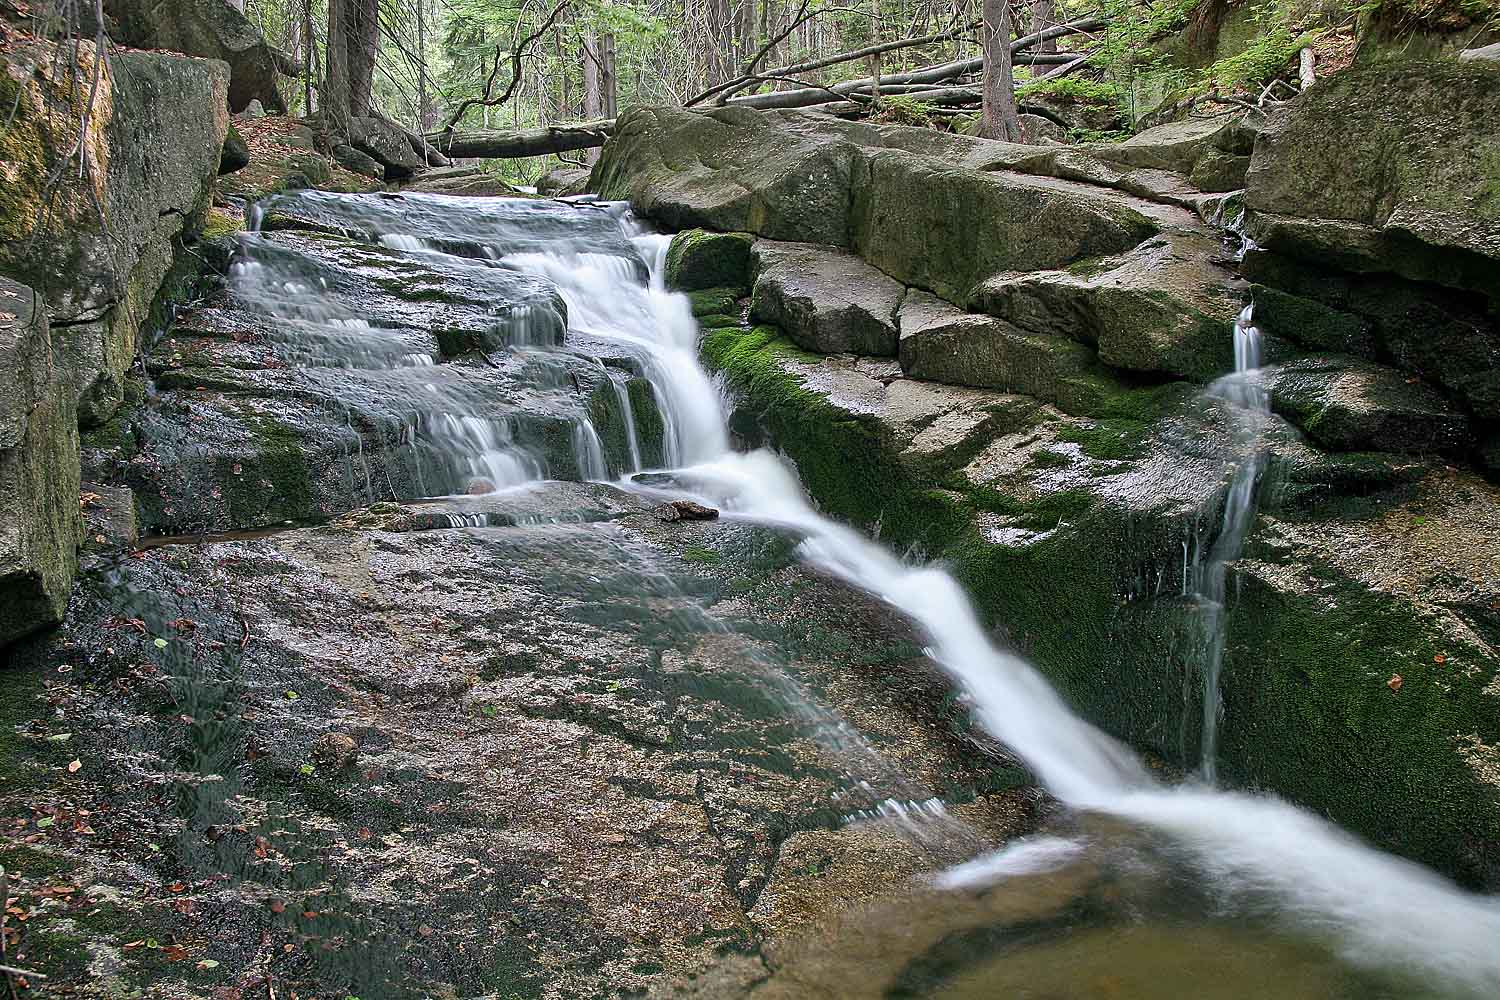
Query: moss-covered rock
{"points": [[98, 247], [39, 471], [210, 30], [915, 218], [1393, 167], [1164, 307], [1071, 535], [711, 302], [698, 260]]}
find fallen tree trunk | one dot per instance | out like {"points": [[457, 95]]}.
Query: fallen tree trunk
{"points": [[932, 74], [515, 143]]}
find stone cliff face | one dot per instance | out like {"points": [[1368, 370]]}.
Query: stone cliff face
{"points": [[88, 252], [1056, 314]]}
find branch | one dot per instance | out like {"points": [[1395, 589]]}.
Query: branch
{"points": [[515, 70], [723, 90]]}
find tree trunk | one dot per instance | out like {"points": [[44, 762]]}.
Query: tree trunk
{"points": [[308, 58], [1044, 16], [425, 118], [999, 119], [363, 39], [593, 102], [523, 142], [609, 83], [336, 80]]}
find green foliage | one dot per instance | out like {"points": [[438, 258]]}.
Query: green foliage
{"points": [[1073, 90], [899, 109]]}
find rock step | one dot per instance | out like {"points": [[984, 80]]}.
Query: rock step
{"points": [[827, 300]]}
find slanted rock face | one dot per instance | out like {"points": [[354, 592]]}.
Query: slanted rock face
{"points": [[98, 248], [211, 29], [39, 520], [946, 230], [827, 300], [1387, 168]]}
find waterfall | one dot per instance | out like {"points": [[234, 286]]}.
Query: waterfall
{"points": [[1248, 406], [1291, 865]]}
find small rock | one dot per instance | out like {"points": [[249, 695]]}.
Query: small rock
{"points": [[685, 510], [336, 750]]}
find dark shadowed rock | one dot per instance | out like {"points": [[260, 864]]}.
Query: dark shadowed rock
{"points": [[1349, 405], [827, 300], [563, 181], [235, 155], [685, 510]]}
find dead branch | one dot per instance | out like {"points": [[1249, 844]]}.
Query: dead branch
{"points": [[515, 70]]}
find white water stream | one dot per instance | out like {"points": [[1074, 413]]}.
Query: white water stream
{"points": [[1378, 909]]}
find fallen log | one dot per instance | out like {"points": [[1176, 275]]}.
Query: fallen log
{"points": [[515, 143]]}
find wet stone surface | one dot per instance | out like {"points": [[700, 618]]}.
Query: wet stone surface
{"points": [[558, 758]]}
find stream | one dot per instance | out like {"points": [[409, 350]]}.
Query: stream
{"points": [[1137, 887]]}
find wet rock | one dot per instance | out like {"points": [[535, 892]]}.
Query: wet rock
{"points": [[361, 163], [827, 300], [685, 510], [1217, 171], [39, 521], [697, 260], [109, 518], [582, 749], [942, 343], [210, 29], [1377, 170], [98, 248], [1348, 405], [235, 155], [1165, 307], [715, 302]]}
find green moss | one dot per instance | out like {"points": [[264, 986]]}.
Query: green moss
{"points": [[1110, 440], [714, 301], [699, 554], [698, 259], [22, 699], [279, 462], [219, 224], [650, 428]]}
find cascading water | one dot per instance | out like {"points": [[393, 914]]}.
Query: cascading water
{"points": [[1282, 861], [1248, 406]]}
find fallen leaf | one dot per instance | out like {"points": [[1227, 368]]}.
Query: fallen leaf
{"points": [[1439, 658], [207, 963], [1394, 683], [277, 906], [75, 766]]}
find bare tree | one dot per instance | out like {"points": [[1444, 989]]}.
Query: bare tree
{"points": [[1044, 16], [999, 119]]}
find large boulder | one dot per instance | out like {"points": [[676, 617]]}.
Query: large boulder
{"points": [[39, 526], [98, 248], [388, 143], [827, 300], [211, 29], [1390, 168]]}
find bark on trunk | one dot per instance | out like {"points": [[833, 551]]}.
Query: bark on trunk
{"points": [[364, 45], [1043, 16], [999, 119], [336, 81]]}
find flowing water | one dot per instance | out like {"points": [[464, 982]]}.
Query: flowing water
{"points": [[1249, 406], [1207, 874]]}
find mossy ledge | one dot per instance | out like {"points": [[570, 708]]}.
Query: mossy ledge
{"points": [[1308, 713]]}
